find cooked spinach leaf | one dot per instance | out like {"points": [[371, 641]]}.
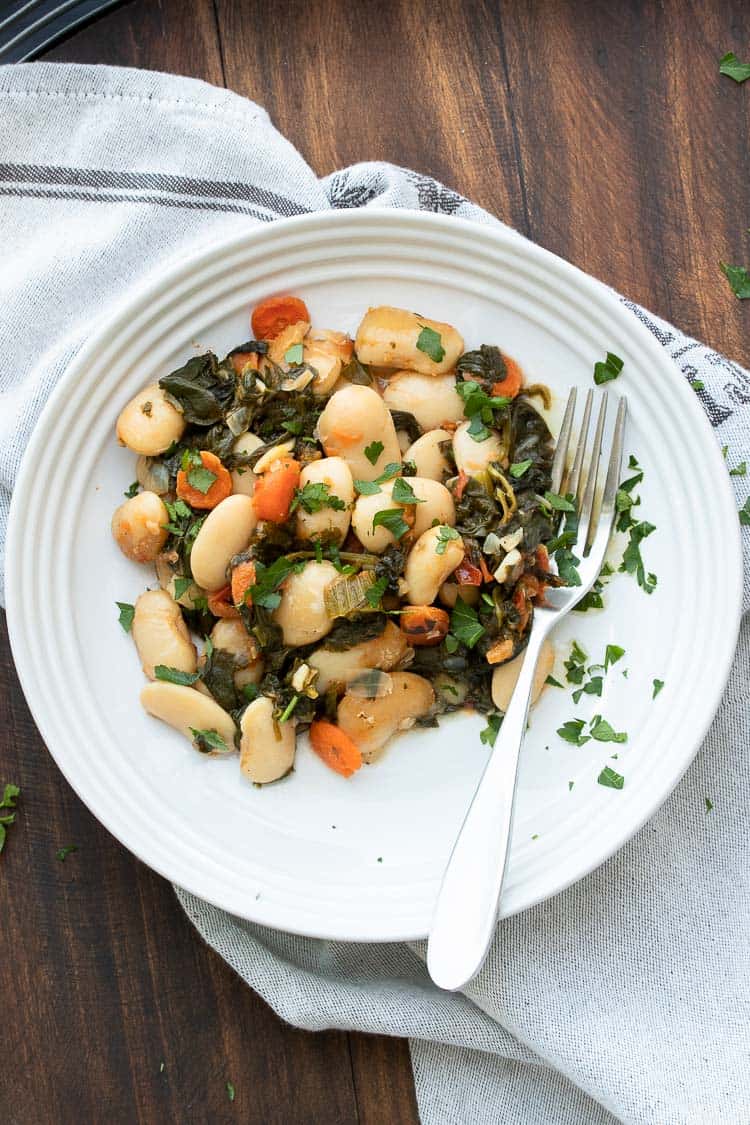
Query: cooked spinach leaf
{"points": [[202, 389]]}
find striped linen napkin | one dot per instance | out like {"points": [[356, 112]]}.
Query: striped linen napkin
{"points": [[623, 998]]}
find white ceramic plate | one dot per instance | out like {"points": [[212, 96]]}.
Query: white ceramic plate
{"points": [[362, 859]]}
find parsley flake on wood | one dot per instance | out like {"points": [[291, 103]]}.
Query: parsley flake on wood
{"points": [[315, 496], [489, 734], [373, 451], [175, 675], [610, 778], [465, 624], [430, 342], [738, 279], [445, 534], [229, 1086], [657, 686], [127, 613], [11, 793], [392, 519], [607, 370], [63, 853], [731, 66]]}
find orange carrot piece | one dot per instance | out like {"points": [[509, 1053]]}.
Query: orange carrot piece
{"points": [[335, 747], [424, 624], [512, 384], [243, 577], [275, 314], [218, 491], [461, 483], [466, 574], [275, 489], [220, 603]]}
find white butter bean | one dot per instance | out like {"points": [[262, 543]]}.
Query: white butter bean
{"points": [[225, 533], [149, 423], [371, 722], [428, 457], [377, 539], [266, 747], [161, 635], [388, 337], [243, 478], [473, 457], [334, 472], [505, 678], [352, 421], [230, 635], [426, 570], [437, 504], [450, 592], [138, 526], [384, 652], [187, 710], [432, 399], [302, 612]]}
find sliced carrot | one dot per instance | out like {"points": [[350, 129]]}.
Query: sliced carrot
{"points": [[240, 361], [220, 603], [275, 489], [335, 747], [512, 384], [466, 574], [218, 490], [487, 574], [424, 624], [461, 483], [542, 558], [275, 314], [243, 577]]}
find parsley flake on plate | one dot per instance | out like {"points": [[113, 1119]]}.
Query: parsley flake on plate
{"points": [[489, 733], [612, 654], [572, 732], [208, 740], [731, 66], [465, 624], [430, 342], [607, 370], [657, 686], [602, 731], [175, 675], [373, 451], [127, 613], [738, 279], [132, 490], [610, 778]]}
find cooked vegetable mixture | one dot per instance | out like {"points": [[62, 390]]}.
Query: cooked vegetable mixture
{"points": [[356, 529]]}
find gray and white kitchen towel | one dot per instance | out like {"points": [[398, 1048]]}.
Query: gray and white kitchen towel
{"points": [[624, 998]]}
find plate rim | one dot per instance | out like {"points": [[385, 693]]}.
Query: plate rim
{"points": [[505, 238]]}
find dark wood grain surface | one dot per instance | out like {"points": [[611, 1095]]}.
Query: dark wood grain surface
{"points": [[602, 130]]}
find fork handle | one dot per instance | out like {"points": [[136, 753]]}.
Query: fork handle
{"points": [[463, 924]]}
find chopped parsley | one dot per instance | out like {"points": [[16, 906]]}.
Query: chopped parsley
{"points": [[269, 578], [612, 654], [731, 66], [208, 740], [403, 493], [602, 731], [744, 513], [593, 686], [697, 384], [609, 369], [739, 470], [133, 490], [575, 665], [572, 732], [445, 535], [229, 1086], [371, 487], [518, 468], [489, 733], [175, 675], [610, 778], [570, 785], [553, 682], [10, 795], [201, 479], [127, 613], [480, 408], [465, 624], [373, 451], [250, 692], [451, 644], [430, 342], [559, 503], [392, 519], [738, 279], [63, 853], [181, 586], [709, 804], [314, 496], [294, 354], [657, 686], [632, 560], [374, 593]]}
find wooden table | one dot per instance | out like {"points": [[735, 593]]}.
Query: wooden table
{"points": [[603, 131]]}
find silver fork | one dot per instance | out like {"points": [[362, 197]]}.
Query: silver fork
{"points": [[467, 906]]}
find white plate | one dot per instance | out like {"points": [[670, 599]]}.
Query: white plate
{"points": [[362, 859]]}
